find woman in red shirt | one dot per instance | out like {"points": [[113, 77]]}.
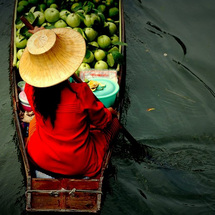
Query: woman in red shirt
{"points": [[61, 139]]}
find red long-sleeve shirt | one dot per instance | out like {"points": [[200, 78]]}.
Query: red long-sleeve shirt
{"points": [[70, 148]]}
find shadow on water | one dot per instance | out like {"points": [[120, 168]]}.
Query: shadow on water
{"points": [[178, 176], [183, 153]]}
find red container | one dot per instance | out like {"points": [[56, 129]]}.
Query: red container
{"points": [[26, 107]]}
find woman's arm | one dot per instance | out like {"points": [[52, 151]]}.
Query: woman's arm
{"points": [[99, 115]]}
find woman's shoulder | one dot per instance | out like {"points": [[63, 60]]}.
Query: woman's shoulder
{"points": [[83, 92], [78, 85], [28, 88], [80, 88]]}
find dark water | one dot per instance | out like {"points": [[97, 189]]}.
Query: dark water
{"points": [[170, 68]]}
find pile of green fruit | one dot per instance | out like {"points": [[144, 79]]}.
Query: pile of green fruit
{"points": [[96, 20]]}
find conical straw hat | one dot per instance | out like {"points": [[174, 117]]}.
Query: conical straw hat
{"points": [[51, 56]]}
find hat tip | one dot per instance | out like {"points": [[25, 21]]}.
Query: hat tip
{"points": [[41, 42]]}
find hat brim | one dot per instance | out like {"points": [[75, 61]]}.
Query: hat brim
{"points": [[56, 65]]}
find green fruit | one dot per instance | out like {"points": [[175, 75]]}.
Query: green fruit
{"points": [[53, 6], [52, 15], [20, 25], [111, 27], [84, 66], [23, 3], [113, 12], [73, 20], [41, 17], [101, 8], [60, 24], [20, 42], [99, 54], [90, 19], [87, 20], [104, 41], [19, 53], [89, 57], [94, 17], [17, 64], [114, 39], [101, 65], [20, 8], [64, 14], [90, 33], [110, 60]]}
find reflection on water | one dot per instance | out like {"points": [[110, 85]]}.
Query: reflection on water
{"points": [[178, 178], [169, 108]]}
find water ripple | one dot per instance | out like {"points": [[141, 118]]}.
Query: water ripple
{"points": [[196, 76], [178, 40]]}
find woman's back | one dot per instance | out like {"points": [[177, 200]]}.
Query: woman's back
{"points": [[70, 148]]}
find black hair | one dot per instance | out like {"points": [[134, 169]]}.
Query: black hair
{"points": [[46, 100]]}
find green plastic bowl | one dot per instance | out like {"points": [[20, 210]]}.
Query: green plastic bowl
{"points": [[108, 95], [21, 85]]}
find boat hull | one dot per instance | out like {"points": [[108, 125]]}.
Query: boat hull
{"points": [[61, 194]]}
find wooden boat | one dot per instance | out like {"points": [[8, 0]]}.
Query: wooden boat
{"points": [[60, 194]]}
